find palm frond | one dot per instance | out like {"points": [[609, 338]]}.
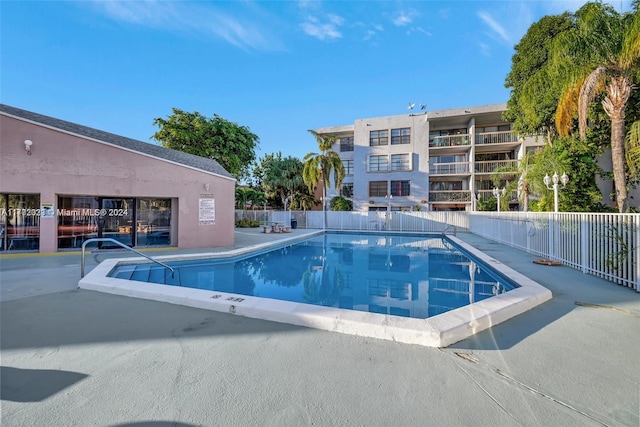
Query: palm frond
{"points": [[567, 108], [632, 149], [592, 85], [631, 48]]}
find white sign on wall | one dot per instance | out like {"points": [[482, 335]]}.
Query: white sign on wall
{"points": [[207, 211], [46, 210]]}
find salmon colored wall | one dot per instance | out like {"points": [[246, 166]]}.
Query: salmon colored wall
{"points": [[64, 164]]}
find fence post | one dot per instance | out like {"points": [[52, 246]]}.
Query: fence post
{"points": [[552, 225], [636, 230], [584, 242]]}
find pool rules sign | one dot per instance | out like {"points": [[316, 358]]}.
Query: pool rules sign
{"points": [[207, 211]]}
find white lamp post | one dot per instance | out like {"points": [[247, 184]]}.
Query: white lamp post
{"points": [[497, 192], [388, 197], [564, 179]]}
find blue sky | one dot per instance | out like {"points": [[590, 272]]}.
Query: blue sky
{"points": [[278, 67]]}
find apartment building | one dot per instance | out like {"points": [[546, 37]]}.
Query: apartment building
{"points": [[427, 160]]}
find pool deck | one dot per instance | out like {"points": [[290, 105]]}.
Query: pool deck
{"points": [[78, 357]]}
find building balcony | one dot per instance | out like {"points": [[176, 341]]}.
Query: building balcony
{"points": [[449, 168], [496, 137], [450, 140], [490, 166], [450, 196]]}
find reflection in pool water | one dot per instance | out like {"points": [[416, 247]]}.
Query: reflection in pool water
{"points": [[410, 276]]}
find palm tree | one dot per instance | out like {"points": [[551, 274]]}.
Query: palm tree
{"points": [[600, 56], [284, 176], [319, 166]]}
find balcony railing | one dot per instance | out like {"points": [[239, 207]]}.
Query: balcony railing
{"points": [[491, 165], [450, 140], [449, 168], [450, 196], [487, 194], [496, 137]]}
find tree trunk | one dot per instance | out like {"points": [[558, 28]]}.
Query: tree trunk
{"points": [[614, 104], [618, 160]]}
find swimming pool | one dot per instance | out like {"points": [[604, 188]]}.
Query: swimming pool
{"points": [[406, 294], [408, 276]]}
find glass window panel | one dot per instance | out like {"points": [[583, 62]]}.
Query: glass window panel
{"points": [[400, 188], [378, 137], [400, 162], [20, 227], [378, 163], [346, 143], [401, 136], [348, 167], [377, 188]]}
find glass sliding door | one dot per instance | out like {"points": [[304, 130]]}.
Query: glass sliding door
{"points": [[132, 221], [153, 222], [115, 220], [19, 222]]}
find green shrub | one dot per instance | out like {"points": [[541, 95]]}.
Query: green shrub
{"points": [[247, 223]]}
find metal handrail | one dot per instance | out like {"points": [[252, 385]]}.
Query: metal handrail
{"points": [[109, 239]]}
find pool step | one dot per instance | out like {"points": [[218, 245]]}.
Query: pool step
{"points": [[124, 272], [150, 273], [141, 273]]}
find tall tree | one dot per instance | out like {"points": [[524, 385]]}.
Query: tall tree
{"points": [[601, 56], [319, 166], [231, 145], [284, 177], [534, 96]]}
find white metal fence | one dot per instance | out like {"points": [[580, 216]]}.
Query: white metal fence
{"points": [[604, 245]]}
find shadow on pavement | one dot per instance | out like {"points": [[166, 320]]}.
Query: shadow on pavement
{"points": [[34, 385]]}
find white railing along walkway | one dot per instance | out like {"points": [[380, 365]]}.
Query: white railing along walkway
{"points": [[604, 245]]}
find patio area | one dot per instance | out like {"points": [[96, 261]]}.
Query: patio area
{"points": [[77, 357]]}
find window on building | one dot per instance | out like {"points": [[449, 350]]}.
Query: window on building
{"points": [[346, 143], [400, 188], [347, 190], [445, 185], [378, 137], [401, 136], [348, 167], [377, 188], [378, 163], [401, 162], [20, 222], [134, 222]]}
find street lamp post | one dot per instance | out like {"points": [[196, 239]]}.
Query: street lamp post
{"points": [[497, 192], [564, 179]]}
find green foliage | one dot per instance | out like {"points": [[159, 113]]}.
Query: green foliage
{"points": [[247, 223], [339, 203], [231, 145], [283, 177], [577, 159], [318, 167], [488, 204], [281, 181], [248, 196], [534, 96]]}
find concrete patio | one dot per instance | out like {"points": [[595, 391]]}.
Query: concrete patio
{"points": [[76, 357]]}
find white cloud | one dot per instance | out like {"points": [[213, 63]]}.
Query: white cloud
{"points": [[495, 27], [484, 49], [197, 18], [404, 18], [326, 30]]}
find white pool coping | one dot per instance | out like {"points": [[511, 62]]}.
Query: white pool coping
{"points": [[438, 331]]}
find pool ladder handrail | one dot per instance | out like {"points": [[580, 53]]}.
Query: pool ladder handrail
{"points": [[109, 239]]}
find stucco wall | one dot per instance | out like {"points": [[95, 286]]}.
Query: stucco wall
{"points": [[65, 164]]}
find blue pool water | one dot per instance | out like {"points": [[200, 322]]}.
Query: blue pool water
{"points": [[410, 276]]}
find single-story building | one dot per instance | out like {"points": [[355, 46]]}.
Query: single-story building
{"points": [[62, 183]]}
